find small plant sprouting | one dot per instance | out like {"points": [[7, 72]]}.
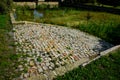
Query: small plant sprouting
{"points": [[39, 59], [88, 16], [69, 48], [25, 70]]}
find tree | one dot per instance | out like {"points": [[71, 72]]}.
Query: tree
{"points": [[5, 6]]}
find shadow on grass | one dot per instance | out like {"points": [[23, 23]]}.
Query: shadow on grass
{"points": [[113, 37], [102, 46]]}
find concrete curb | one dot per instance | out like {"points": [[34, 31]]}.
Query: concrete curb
{"points": [[101, 54]]}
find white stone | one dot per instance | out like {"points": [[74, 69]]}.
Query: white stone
{"points": [[44, 67], [40, 69], [20, 66], [47, 63], [26, 75]]}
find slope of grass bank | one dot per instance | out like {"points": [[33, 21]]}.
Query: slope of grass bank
{"points": [[101, 24], [7, 52], [108, 31], [105, 68]]}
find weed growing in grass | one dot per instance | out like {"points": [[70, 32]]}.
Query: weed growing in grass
{"points": [[88, 16]]}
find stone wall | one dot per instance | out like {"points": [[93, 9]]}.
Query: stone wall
{"points": [[30, 4], [33, 4]]}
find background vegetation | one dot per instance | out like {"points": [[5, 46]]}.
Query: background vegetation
{"points": [[105, 68]]}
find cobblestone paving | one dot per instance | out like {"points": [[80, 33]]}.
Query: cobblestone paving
{"points": [[47, 48]]}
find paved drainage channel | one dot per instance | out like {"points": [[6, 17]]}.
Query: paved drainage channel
{"points": [[47, 50]]}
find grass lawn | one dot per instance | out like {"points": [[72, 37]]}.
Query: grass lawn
{"points": [[7, 56], [105, 68], [101, 24]]}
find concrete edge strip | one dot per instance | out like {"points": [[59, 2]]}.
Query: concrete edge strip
{"points": [[102, 54]]}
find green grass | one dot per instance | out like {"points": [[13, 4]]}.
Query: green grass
{"points": [[107, 31], [105, 68], [7, 52], [101, 24]]}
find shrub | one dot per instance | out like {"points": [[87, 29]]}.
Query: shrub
{"points": [[5, 6]]}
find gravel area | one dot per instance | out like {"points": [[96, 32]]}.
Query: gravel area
{"points": [[48, 50]]}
